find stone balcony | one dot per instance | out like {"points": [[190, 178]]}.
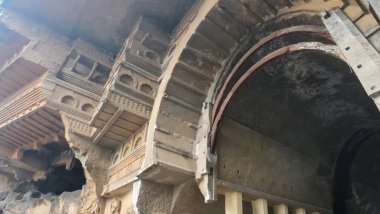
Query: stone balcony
{"points": [[124, 172], [128, 96], [126, 163]]}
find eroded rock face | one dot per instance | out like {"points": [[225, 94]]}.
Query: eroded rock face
{"points": [[95, 161], [154, 198], [24, 197], [18, 197]]}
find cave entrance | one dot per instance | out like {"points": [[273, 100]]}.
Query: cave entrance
{"points": [[60, 179], [55, 168]]}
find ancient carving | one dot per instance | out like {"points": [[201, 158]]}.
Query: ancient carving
{"points": [[128, 164], [130, 104], [115, 206], [106, 102]]}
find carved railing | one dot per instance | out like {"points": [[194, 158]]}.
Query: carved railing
{"points": [[125, 169]]}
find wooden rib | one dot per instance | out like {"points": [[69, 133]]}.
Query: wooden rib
{"points": [[7, 141], [15, 137], [37, 127], [48, 125], [32, 129], [26, 130], [51, 118], [19, 132], [44, 125], [54, 113], [11, 141]]}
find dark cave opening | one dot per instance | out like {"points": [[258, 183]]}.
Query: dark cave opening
{"points": [[61, 180]]}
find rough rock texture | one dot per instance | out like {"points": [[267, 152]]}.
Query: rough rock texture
{"points": [[17, 198], [95, 161], [154, 198], [190, 192]]}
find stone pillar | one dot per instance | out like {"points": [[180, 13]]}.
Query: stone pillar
{"points": [[233, 203], [281, 209], [299, 211], [260, 206]]}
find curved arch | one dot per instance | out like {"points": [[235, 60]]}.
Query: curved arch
{"points": [[175, 117], [115, 159], [137, 143], [304, 46], [126, 151], [294, 29]]}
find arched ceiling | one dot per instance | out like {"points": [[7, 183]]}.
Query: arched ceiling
{"points": [[308, 102]]}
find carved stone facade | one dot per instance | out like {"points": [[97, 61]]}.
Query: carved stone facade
{"points": [[189, 106]]}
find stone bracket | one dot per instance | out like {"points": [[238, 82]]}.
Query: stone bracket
{"points": [[206, 161], [359, 53]]}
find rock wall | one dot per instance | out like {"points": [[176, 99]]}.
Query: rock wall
{"points": [[24, 198], [95, 161]]}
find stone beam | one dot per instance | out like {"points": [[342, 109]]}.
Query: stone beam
{"points": [[352, 44]]}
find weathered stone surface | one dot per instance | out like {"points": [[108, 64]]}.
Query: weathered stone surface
{"points": [[95, 161], [153, 198], [3, 195], [175, 59]]}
